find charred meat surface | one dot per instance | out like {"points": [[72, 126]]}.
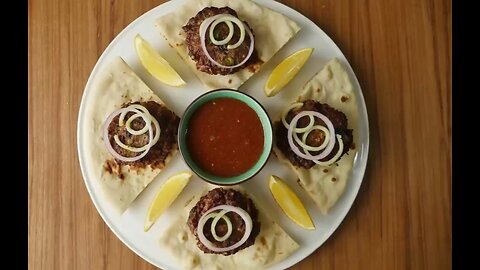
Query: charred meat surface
{"points": [[316, 137], [219, 53], [167, 142], [220, 196]]}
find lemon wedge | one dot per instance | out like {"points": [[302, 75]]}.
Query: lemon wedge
{"points": [[286, 71], [165, 196], [290, 203], [155, 64]]}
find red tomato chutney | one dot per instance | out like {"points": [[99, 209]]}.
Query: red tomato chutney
{"points": [[225, 137]]}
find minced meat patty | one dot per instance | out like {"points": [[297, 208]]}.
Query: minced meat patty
{"points": [[157, 154], [316, 137], [219, 53], [220, 196]]}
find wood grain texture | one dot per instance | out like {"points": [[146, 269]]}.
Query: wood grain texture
{"points": [[401, 52]]}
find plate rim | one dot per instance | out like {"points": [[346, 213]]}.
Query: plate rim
{"points": [[363, 153]]}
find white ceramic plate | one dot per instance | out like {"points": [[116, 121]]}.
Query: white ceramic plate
{"points": [[129, 226]]}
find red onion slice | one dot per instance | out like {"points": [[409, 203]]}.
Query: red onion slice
{"points": [[107, 141], [242, 213], [203, 31], [297, 151]]}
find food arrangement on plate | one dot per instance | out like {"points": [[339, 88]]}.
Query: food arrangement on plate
{"points": [[225, 136], [225, 228], [132, 135], [226, 42], [325, 116]]}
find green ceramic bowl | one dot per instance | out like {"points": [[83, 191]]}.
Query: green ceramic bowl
{"points": [[267, 134]]}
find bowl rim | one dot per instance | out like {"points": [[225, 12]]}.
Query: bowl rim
{"points": [[268, 148]]}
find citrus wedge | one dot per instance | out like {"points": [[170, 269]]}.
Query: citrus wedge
{"points": [[286, 71], [290, 203], [165, 197], [155, 64]]}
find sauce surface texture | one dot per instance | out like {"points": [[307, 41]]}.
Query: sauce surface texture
{"points": [[225, 137]]}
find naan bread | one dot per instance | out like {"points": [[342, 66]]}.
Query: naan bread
{"points": [[113, 87], [272, 31], [326, 184], [272, 245]]}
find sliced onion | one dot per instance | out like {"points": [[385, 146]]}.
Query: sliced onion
{"points": [[144, 129], [129, 127], [132, 106], [297, 130], [216, 217], [137, 132], [303, 142], [331, 139], [228, 19], [128, 147], [221, 215], [241, 26], [284, 114], [107, 141], [203, 30], [229, 36], [242, 213], [334, 158], [133, 117]]}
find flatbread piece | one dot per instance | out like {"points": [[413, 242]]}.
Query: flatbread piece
{"points": [[325, 185], [272, 31], [113, 87], [272, 244]]}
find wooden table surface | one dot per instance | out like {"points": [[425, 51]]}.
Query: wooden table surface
{"points": [[402, 54]]}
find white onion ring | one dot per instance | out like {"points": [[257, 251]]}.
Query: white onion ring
{"points": [[132, 106], [203, 30], [139, 132], [241, 26], [218, 216], [296, 130], [242, 213], [107, 141], [130, 129], [287, 110], [128, 147], [331, 142], [133, 117], [303, 142], [225, 40], [334, 158]]}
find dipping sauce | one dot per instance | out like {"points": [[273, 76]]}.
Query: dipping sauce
{"points": [[225, 137]]}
